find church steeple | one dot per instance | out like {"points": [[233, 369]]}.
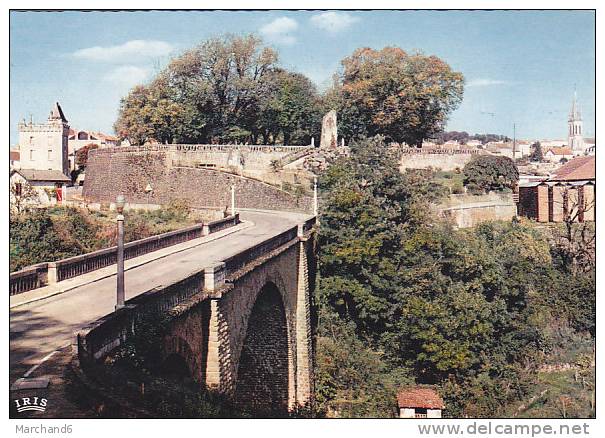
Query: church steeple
{"points": [[575, 113], [575, 135]]}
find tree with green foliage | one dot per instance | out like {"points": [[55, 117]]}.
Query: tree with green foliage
{"points": [[485, 173], [405, 97], [537, 154], [227, 90], [290, 107], [33, 239], [351, 379]]}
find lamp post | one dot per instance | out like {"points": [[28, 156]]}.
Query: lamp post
{"points": [[315, 203], [232, 199], [148, 190], [120, 201]]}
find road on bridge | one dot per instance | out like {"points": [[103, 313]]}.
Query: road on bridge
{"points": [[41, 327]]}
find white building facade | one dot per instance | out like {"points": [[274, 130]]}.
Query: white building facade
{"points": [[43, 146], [43, 164]]}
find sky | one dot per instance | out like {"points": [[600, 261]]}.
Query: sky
{"points": [[521, 67]]}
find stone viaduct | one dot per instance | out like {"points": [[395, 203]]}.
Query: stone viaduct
{"points": [[241, 326]]}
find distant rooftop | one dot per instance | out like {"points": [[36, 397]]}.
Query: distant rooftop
{"points": [[43, 175], [419, 397], [564, 150], [579, 168]]}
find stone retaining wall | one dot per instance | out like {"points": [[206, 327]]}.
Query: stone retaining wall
{"points": [[468, 210], [437, 159], [131, 172]]}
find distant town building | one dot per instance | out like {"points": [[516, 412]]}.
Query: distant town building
{"points": [[569, 191], [555, 155], [43, 162], [552, 143], [575, 133], [590, 144], [521, 149], [43, 146], [590, 150], [419, 402]]}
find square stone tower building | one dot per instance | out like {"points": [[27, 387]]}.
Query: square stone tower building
{"points": [[43, 146]]}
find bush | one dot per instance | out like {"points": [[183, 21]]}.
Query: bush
{"points": [[352, 380], [178, 209], [457, 188], [485, 173], [34, 239]]}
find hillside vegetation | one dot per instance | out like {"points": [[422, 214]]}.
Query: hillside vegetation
{"points": [[404, 297], [49, 234]]}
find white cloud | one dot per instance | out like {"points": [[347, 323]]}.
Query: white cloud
{"points": [[280, 31], [333, 22], [127, 75], [130, 51], [485, 82]]}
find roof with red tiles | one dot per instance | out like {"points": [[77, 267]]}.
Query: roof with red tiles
{"points": [[15, 155], [579, 168], [92, 135], [105, 136], [419, 397], [561, 151]]}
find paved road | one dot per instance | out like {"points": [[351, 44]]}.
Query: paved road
{"points": [[41, 327]]}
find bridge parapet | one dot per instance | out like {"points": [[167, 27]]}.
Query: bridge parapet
{"points": [[42, 274], [31, 277], [240, 260], [98, 339]]}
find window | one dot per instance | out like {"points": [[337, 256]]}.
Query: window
{"points": [[419, 413], [31, 155], [50, 155], [50, 140], [31, 140]]}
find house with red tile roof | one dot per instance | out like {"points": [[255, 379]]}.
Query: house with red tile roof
{"points": [[568, 194], [555, 155], [578, 169], [419, 402]]}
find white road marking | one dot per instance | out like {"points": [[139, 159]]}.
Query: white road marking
{"points": [[44, 359]]}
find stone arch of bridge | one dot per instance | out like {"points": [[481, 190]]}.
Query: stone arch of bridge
{"points": [[176, 353], [265, 362]]}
